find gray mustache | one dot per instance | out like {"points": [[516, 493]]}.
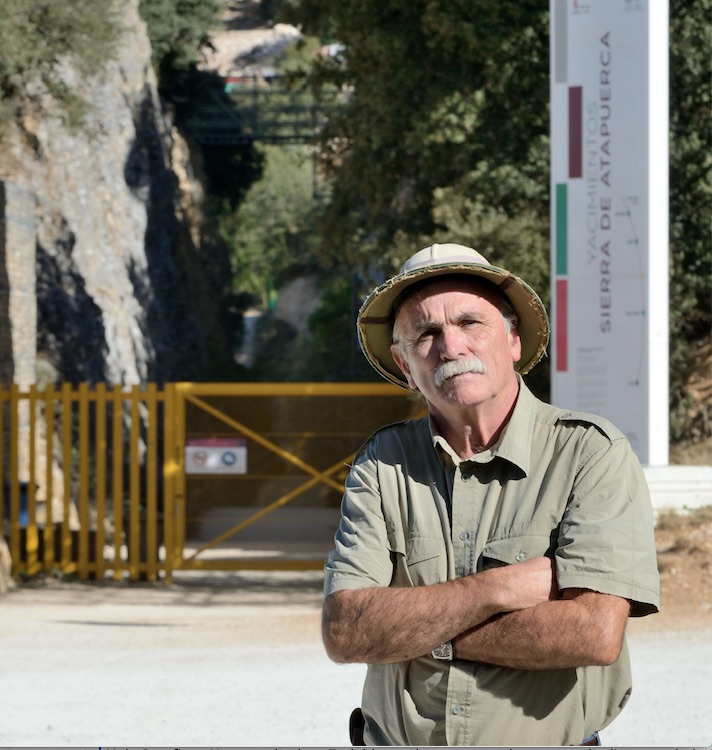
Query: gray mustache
{"points": [[458, 367]]}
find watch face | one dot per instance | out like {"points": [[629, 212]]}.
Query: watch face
{"points": [[443, 651]]}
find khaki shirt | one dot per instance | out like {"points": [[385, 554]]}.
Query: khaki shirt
{"points": [[557, 483]]}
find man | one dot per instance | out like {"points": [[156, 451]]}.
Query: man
{"points": [[488, 555]]}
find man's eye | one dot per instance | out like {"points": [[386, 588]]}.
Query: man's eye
{"points": [[426, 335]]}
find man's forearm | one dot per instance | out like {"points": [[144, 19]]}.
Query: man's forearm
{"points": [[381, 626], [582, 629], [384, 625]]}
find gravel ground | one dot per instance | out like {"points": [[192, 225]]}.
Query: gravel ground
{"points": [[235, 660]]}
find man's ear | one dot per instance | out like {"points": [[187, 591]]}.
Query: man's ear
{"points": [[515, 344], [402, 363]]}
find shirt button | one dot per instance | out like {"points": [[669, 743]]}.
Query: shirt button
{"points": [[464, 535], [520, 556], [457, 710]]}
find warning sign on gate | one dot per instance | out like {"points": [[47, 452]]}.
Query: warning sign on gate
{"points": [[215, 456]]}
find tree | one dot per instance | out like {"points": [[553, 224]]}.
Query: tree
{"points": [[272, 233], [690, 194], [178, 29], [37, 35], [444, 94]]}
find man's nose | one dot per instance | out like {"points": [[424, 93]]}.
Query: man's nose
{"points": [[452, 343]]}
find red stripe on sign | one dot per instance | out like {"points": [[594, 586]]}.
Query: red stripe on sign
{"points": [[575, 131], [562, 325]]}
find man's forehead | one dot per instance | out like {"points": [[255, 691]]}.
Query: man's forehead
{"points": [[462, 290]]}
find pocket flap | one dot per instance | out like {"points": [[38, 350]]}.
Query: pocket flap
{"points": [[514, 549]]}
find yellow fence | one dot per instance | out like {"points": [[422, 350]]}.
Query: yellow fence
{"points": [[111, 493], [80, 474]]}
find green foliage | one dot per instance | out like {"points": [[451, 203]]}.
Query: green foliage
{"points": [[445, 94], [272, 233], [330, 351], [690, 199], [178, 29], [37, 35], [334, 352]]}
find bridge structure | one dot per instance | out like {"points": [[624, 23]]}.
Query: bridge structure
{"points": [[269, 109]]}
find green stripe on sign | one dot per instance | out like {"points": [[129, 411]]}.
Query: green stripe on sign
{"points": [[562, 224]]}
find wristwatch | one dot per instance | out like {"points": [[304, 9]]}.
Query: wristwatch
{"points": [[443, 652]]}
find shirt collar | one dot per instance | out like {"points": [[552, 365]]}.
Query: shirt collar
{"points": [[516, 439], [514, 444]]}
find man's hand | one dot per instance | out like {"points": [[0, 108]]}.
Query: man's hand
{"points": [[527, 584], [384, 625]]}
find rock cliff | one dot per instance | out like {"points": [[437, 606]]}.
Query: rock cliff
{"points": [[98, 240]]}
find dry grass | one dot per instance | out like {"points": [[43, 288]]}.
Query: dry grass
{"points": [[672, 520], [684, 550]]}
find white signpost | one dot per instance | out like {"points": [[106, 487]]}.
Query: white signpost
{"points": [[609, 204]]}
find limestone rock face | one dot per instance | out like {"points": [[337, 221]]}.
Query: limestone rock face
{"points": [[120, 293]]}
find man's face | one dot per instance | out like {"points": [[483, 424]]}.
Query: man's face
{"points": [[443, 327]]}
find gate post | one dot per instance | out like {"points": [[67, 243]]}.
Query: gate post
{"points": [[174, 476]]}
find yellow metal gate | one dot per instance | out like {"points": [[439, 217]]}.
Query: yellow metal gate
{"points": [[276, 505], [139, 482]]}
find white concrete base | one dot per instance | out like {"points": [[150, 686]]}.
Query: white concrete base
{"points": [[679, 487]]}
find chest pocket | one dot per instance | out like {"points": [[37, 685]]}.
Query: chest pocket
{"points": [[418, 560], [515, 549]]}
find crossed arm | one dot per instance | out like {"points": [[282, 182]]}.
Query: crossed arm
{"points": [[512, 616]]}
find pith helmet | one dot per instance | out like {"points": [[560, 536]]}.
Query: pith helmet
{"points": [[376, 316]]}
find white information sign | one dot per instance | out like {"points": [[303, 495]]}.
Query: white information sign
{"points": [[216, 456], [609, 202]]}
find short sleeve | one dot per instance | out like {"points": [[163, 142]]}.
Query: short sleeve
{"points": [[361, 556], [606, 538]]}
